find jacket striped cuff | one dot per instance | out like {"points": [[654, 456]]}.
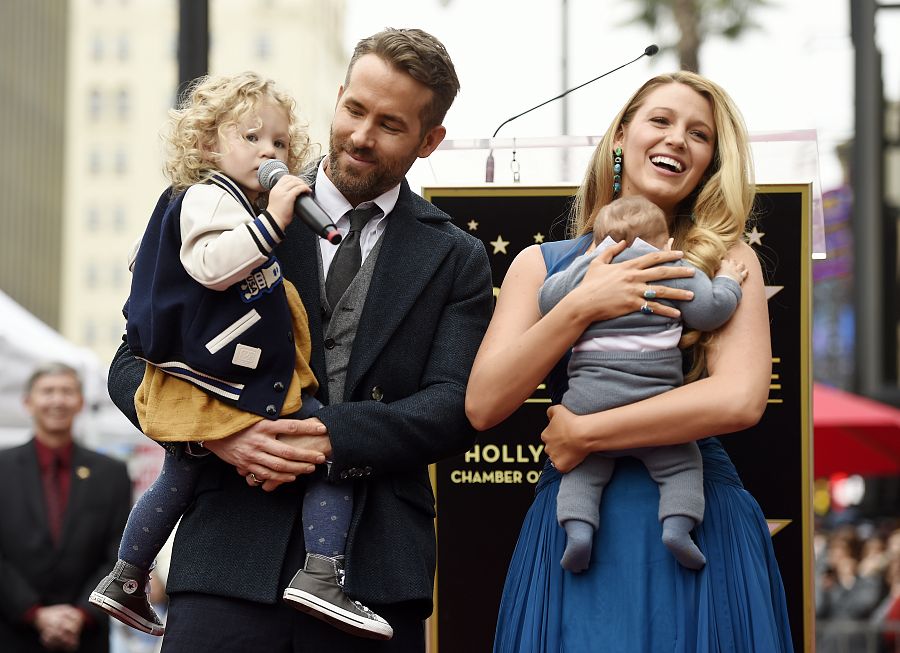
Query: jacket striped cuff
{"points": [[265, 232]]}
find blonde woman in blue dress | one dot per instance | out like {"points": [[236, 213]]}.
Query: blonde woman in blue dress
{"points": [[680, 142]]}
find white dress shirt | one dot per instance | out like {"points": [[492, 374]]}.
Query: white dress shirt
{"points": [[337, 207]]}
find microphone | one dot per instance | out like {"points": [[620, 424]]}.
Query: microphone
{"points": [[649, 51], [305, 207]]}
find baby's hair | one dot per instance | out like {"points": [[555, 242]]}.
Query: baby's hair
{"points": [[629, 217], [207, 109]]}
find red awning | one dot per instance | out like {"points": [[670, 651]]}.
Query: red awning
{"points": [[854, 434]]}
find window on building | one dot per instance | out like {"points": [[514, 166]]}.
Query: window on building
{"points": [[92, 218], [117, 276], [94, 161], [121, 165], [123, 47], [123, 103], [96, 46], [91, 276], [120, 218], [263, 46], [95, 104]]}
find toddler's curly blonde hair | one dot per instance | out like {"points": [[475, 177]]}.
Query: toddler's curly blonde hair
{"points": [[212, 105]]}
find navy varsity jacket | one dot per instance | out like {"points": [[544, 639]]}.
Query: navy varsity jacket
{"points": [[235, 344]]}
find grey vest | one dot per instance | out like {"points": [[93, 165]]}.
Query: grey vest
{"points": [[340, 322]]}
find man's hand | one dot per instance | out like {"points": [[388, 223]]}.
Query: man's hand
{"points": [[275, 451], [59, 626]]}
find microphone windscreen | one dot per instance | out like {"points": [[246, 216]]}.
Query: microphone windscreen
{"points": [[650, 50], [270, 172]]}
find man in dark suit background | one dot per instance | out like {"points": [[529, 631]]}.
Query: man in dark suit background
{"points": [[392, 352], [62, 511]]}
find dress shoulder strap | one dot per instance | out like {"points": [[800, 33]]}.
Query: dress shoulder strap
{"points": [[559, 254]]}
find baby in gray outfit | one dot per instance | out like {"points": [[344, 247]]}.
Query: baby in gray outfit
{"points": [[627, 359]]}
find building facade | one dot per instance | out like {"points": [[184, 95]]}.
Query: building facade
{"points": [[89, 84]]}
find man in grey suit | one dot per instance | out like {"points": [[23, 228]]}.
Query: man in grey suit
{"points": [[62, 511], [393, 346]]}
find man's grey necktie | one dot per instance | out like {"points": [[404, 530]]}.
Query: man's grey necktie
{"points": [[348, 258]]}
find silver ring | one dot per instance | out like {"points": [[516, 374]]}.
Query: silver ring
{"points": [[254, 480], [645, 309], [649, 293]]}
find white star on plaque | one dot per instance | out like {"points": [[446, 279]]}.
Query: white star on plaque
{"points": [[754, 236], [499, 245]]}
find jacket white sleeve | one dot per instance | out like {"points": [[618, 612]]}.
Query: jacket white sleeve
{"points": [[220, 242]]}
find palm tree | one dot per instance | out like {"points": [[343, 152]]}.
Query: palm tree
{"points": [[697, 20]]}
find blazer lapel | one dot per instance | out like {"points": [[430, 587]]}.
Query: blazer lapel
{"points": [[299, 256], [79, 478], [410, 255], [33, 487]]}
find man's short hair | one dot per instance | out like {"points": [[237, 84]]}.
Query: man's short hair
{"points": [[52, 367], [422, 57]]}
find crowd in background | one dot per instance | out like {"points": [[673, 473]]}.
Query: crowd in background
{"points": [[857, 587]]}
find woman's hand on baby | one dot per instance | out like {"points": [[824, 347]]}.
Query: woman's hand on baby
{"points": [[282, 198], [732, 269], [610, 290]]}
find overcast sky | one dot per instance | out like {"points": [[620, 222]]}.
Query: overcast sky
{"points": [[794, 73]]}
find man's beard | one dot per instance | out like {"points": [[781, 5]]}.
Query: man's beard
{"points": [[361, 187]]}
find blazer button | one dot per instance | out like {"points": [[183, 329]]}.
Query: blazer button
{"points": [[344, 474], [290, 336], [271, 410], [278, 387], [329, 343], [368, 471], [377, 393]]}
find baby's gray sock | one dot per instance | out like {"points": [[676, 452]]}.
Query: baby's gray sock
{"points": [[677, 537], [579, 540]]}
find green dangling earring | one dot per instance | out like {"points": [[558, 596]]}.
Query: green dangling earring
{"points": [[617, 171]]}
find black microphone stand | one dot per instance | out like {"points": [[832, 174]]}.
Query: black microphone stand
{"points": [[649, 51]]}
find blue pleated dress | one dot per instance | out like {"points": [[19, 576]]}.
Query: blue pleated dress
{"points": [[634, 597]]}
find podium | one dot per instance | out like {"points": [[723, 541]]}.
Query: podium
{"points": [[482, 495]]}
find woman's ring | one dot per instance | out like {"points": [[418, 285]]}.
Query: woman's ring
{"points": [[645, 309], [649, 293], [254, 480]]}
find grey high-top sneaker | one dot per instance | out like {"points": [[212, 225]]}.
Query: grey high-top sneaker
{"points": [[318, 590], [125, 595]]}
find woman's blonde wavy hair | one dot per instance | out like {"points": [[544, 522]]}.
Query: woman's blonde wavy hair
{"points": [[209, 107], [713, 217]]}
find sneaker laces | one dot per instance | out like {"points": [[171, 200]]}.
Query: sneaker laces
{"points": [[369, 614], [340, 575]]}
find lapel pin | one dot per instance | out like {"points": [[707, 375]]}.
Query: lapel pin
{"points": [[83, 472]]}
